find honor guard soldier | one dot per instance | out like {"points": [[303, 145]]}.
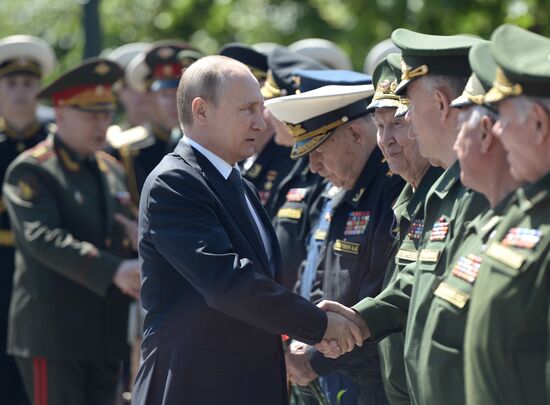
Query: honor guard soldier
{"points": [[157, 72], [297, 191], [74, 275], [348, 246], [24, 60], [404, 159], [506, 347], [271, 163], [483, 167]]}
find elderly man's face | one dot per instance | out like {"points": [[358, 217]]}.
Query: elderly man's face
{"points": [[423, 114], [401, 152], [518, 138], [86, 130], [468, 148], [237, 118], [332, 159]]}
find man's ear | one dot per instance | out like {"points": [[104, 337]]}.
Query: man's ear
{"points": [[199, 107], [487, 135], [442, 104], [541, 123]]}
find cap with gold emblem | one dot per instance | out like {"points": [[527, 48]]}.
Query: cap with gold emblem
{"points": [[385, 79], [164, 66], [256, 61], [482, 77], [424, 54], [280, 78], [523, 60], [87, 87], [26, 54], [311, 117], [323, 51]]}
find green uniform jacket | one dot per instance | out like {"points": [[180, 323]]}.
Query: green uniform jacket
{"points": [[409, 216], [64, 305], [448, 206], [507, 342], [441, 347]]}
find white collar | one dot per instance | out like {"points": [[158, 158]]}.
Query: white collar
{"points": [[223, 167]]}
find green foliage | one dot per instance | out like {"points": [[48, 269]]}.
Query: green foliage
{"points": [[356, 25]]}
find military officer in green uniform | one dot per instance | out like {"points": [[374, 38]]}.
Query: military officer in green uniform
{"points": [[506, 347], [348, 246], [435, 70], [75, 271], [404, 159], [295, 194], [483, 168], [24, 60], [156, 71]]}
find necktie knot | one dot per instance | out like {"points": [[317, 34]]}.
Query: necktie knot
{"points": [[236, 180]]}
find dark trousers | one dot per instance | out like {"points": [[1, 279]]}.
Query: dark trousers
{"points": [[62, 382]]}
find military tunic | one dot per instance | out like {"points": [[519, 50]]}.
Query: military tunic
{"points": [[441, 347], [292, 223], [506, 346], [353, 259], [449, 205], [409, 216], [269, 169], [61, 206]]}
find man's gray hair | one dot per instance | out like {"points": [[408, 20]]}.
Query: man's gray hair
{"points": [[452, 86], [206, 78], [480, 111], [523, 105]]}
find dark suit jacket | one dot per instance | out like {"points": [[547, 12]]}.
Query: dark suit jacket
{"points": [[214, 312]]}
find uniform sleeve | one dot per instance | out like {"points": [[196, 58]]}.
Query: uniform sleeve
{"points": [[185, 229], [29, 193], [352, 363], [387, 313]]}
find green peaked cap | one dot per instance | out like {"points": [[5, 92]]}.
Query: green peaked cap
{"points": [[424, 54], [523, 60], [386, 77]]}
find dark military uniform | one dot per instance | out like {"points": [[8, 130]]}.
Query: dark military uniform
{"points": [[353, 259], [294, 197], [64, 305]]}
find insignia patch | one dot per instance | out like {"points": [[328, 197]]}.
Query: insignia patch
{"points": [[359, 194], [102, 69], [296, 194], [357, 222], [293, 213], [467, 267], [451, 294], [429, 255], [505, 255], [522, 238], [26, 191], [439, 230], [407, 254], [415, 230], [320, 234], [348, 247]]}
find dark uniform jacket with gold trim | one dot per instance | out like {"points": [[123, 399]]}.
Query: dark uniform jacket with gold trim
{"points": [[293, 219], [62, 207], [271, 166], [354, 256]]}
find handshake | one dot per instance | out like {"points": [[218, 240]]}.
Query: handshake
{"points": [[345, 330]]}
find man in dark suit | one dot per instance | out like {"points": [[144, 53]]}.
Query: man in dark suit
{"points": [[210, 259]]}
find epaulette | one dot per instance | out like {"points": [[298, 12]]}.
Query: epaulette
{"points": [[42, 151], [105, 157], [134, 138]]}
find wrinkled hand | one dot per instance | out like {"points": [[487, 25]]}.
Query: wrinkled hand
{"points": [[130, 228], [333, 345], [127, 278], [298, 368]]}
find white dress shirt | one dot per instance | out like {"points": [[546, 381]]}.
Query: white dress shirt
{"points": [[225, 170]]}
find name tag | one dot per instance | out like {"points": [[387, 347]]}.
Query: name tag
{"points": [[348, 247], [451, 294], [505, 255], [429, 255], [406, 254], [293, 213]]}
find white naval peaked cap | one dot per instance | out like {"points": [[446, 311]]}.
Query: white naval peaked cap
{"points": [[28, 47], [124, 54], [323, 51], [136, 73], [301, 107]]}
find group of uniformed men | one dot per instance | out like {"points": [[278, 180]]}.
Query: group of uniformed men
{"points": [[418, 196]]}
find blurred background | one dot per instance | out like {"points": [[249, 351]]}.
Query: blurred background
{"points": [[78, 29]]}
